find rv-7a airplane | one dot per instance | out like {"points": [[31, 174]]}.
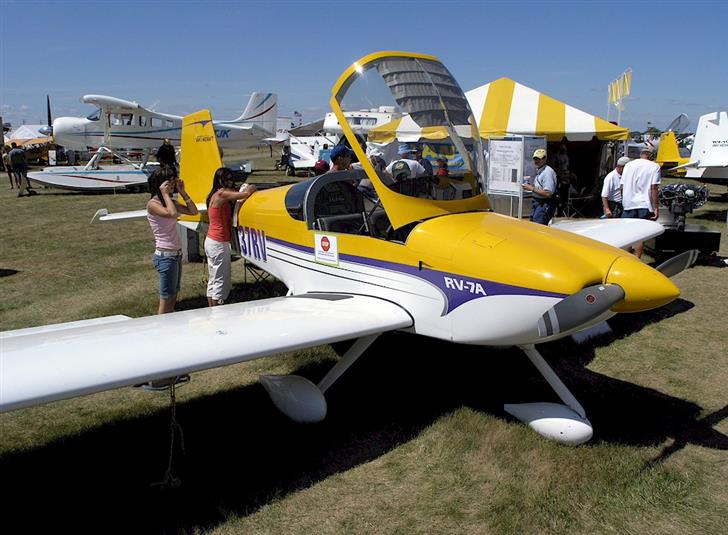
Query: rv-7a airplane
{"points": [[447, 269], [120, 124]]}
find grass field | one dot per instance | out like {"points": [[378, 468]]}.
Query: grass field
{"points": [[416, 440]]}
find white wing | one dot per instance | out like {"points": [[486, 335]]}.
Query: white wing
{"points": [[103, 101], [62, 361], [616, 232]]}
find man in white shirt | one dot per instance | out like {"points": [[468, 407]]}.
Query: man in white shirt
{"points": [[612, 190], [640, 180], [416, 170]]}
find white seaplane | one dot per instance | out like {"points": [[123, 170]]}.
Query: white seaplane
{"points": [[446, 269], [118, 124]]}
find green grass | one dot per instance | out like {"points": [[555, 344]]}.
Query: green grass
{"points": [[415, 442]]}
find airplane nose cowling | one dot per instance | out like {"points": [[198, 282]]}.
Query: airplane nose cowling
{"points": [[644, 288]]}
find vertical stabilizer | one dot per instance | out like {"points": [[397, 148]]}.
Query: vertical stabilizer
{"points": [[668, 153], [262, 110], [710, 148], [200, 156]]}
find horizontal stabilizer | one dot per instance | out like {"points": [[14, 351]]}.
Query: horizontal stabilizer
{"points": [[54, 363], [103, 214], [716, 160], [693, 163]]}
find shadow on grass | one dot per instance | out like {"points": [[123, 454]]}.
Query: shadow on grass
{"points": [[8, 272], [711, 215], [245, 291], [241, 454]]}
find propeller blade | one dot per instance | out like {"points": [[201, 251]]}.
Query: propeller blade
{"points": [[48, 129], [579, 308], [679, 263]]}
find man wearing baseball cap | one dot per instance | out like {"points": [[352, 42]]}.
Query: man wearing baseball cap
{"points": [[611, 190], [640, 180], [341, 156], [406, 152], [543, 189]]}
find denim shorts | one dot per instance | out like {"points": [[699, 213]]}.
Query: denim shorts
{"points": [[542, 212], [170, 274], [636, 213]]}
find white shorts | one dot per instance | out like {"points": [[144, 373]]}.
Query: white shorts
{"points": [[218, 267]]}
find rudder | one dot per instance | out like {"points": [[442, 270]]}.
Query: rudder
{"points": [[262, 110], [200, 156], [668, 152]]}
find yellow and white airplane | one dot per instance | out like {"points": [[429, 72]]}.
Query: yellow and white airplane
{"points": [[447, 269]]}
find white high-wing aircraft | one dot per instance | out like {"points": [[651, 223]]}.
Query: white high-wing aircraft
{"points": [[709, 155], [120, 124], [447, 269]]}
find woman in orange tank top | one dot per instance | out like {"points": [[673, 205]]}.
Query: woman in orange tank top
{"points": [[217, 242]]}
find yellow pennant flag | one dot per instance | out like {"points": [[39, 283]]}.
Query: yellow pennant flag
{"points": [[615, 92], [626, 82]]}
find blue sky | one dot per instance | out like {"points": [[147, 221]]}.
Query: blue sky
{"points": [[185, 55]]}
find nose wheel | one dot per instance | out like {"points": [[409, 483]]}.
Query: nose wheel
{"points": [[565, 423]]}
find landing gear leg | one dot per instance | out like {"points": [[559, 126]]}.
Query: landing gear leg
{"points": [[300, 399], [564, 423]]}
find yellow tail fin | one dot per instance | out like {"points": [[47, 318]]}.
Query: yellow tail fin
{"points": [[200, 156], [668, 152]]}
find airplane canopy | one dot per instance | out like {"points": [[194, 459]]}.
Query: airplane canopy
{"points": [[506, 107], [431, 106]]}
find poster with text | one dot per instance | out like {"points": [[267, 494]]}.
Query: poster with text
{"points": [[505, 166]]}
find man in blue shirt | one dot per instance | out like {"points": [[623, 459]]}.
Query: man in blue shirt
{"points": [[543, 189]]}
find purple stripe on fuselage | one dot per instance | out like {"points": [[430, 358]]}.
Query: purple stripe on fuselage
{"points": [[457, 289]]}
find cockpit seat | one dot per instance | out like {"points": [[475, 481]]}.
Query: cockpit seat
{"points": [[344, 223]]}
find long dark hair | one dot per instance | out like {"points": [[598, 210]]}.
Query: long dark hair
{"points": [[157, 178], [218, 181]]}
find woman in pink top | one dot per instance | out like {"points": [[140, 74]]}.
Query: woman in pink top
{"points": [[162, 213], [217, 242]]}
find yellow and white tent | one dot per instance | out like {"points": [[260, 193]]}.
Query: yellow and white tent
{"points": [[406, 130], [506, 107]]}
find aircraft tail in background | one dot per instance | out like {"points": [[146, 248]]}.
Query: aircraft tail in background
{"points": [[710, 148], [668, 153], [262, 110], [709, 157]]}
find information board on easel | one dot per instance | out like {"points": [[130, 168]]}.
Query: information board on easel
{"points": [[509, 166]]}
